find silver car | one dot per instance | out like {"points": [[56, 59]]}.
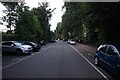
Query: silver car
{"points": [[72, 42], [16, 47]]}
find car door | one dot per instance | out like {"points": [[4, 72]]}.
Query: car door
{"points": [[102, 54], [8, 47], [12, 47], [5, 46], [112, 59]]}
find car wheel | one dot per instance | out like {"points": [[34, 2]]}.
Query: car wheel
{"points": [[19, 52], [96, 61]]}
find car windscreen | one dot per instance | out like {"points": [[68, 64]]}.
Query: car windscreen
{"points": [[18, 44], [29, 43], [72, 40], [32, 43]]}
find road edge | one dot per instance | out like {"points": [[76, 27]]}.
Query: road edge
{"points": [[89, 63]]}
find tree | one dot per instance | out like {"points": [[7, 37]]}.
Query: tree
{"points": [[11, 13], [59, 31], [31, 25], [28, 27], [44, 14], [91, 22], [52, 35]]}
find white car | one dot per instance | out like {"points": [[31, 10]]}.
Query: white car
{"points": [[72, 41], [16, 47]]}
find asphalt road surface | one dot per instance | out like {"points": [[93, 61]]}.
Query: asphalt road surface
{"points": [[55, 60]]}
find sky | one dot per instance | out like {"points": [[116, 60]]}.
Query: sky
{"points": [[1, 13], [53, 4], [57, 14]]}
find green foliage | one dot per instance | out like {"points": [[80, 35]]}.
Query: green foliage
{"points": [[58, 31], [9, 37], [52, 35], [44, 14], [90, 22], [10, 13], [28, 27]]}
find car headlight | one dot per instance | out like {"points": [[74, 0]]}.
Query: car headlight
{"points": [[24, 48]]}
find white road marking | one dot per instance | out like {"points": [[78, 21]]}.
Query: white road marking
{"points": [[24, 58], [20, 59], [15, 59], [90, 63], [11, 64], [91, 55]]}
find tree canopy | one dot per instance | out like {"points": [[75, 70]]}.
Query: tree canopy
{"points": [[91, 22], [29, 25]]}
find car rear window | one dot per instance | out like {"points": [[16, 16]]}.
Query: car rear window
{"points": [[7, 43], [118, 48]]}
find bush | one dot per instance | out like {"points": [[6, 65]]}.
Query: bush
{"points": [[16, 37], [9, 37]]}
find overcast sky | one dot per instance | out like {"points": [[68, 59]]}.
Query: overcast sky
{"points": [[53, 4], [57, 14], [1, 13]]}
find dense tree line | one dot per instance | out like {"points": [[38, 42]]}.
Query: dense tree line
{"points": [[29, 25], [90, 22]]}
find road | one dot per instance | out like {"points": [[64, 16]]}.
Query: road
{"points": [[55, 60]]}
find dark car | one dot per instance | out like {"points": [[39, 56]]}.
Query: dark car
{"points": [[108, 56], [35, 46], [65, 40], [15, 47], [42, 42], [53, 41]]}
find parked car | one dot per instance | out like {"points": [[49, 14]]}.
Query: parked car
{"points": [[35, 46], [72, 41], [16, 47], [53, 41], [65, 40], [108, 56]]}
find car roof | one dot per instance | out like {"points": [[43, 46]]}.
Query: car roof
{"points": [[11, 41], [115, 45], [28, 42], [8, 41]]}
